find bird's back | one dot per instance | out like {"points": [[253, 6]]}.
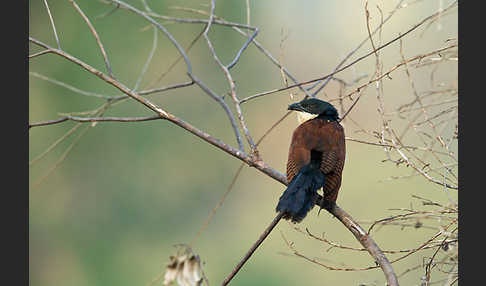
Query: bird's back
{"points": [[322, 136]]}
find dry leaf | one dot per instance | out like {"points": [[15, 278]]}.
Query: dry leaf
{"points": [[185, 269]]}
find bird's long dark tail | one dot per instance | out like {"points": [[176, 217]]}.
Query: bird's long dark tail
{"points": [[301, 193]]}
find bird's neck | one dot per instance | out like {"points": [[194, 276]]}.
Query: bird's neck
{"points": [[328, 118]]}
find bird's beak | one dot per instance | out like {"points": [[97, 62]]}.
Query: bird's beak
{"points": [[296, 106]]}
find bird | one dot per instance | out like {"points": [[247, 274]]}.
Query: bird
{"points": [[316, 160]]}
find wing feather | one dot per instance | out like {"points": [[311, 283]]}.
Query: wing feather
{"points": [[325, 137]]}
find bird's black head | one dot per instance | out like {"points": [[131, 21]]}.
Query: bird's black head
{"points": [[316, 106]]}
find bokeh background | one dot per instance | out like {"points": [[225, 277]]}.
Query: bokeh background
{"points": [[112, 209]]}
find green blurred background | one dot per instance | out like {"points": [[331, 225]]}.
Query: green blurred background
{"points": [[111, 212]]}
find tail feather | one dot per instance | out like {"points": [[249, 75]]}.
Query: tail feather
{"points": [[301, 193]]}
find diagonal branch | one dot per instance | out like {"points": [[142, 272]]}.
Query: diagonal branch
{"points": [[366, 241], [165, 115], [247, 256], [347, 220], [250, 160]]}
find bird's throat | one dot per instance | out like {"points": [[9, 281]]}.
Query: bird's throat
{"points": [[304, 116]]}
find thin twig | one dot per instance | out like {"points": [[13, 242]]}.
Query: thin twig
{"points": [[189, 47], [220, 203], [60, 160], [70, 87], [53, 145], [39, 54], [165, 88], [235, 177], [352, 63], [148, 61], [230, 80], [161, 28], [194, 78], [48, 122], [163, 114], [391, 70], [257, 44], [248, 14], [226, 108], [242, 49], [95, 34], [97, 119], [397, 7], [247, 256], [52, 24], [260, 165], [336, 245], [216, 20]]}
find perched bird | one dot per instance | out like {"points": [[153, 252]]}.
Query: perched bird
{"points": [[316, 160]]}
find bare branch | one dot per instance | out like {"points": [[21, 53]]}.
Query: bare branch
{"points": [[165, 88], [95, 34], [248, 14], [189, 68], [257, 44], [52, 146], [39, 54], [211, 18], [354, 62], [391, 70], [52, 24], [60, 160], [152, 83], [398, 6], [247, 256], [48, 122], [243, 48], [216, 21], [365, 240], [149, 60], [70, 87], [230, 80], [406, 154], [96, 119], [160, 27], [162, 113], [226, 108], [337, 245]]}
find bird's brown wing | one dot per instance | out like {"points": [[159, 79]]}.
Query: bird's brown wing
{"points": [[325, 137], [333, 161]]}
